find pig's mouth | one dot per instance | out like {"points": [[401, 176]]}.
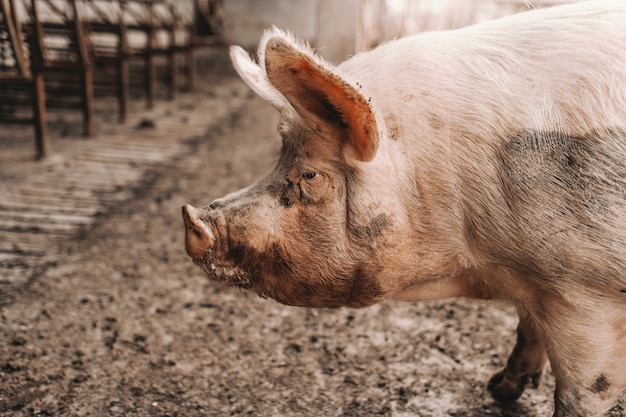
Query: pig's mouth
{"points": [[206, 244], [226, 273]]}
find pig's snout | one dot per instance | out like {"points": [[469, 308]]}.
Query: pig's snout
{"points": [[199, 238]]}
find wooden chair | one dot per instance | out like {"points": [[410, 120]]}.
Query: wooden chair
{"points": [[21, 68]]}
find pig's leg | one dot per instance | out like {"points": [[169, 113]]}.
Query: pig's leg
{"points": [[526, 363], [588, 356]]}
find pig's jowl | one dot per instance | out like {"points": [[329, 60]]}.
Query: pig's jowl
{"points": [[485, 162]]}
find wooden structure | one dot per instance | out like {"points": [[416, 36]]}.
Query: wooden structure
{"points": [[67, 61], [21, 75], [141, 30], [108, 36], [65, 41]]}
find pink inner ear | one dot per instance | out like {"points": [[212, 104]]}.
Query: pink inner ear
{"points": [[315, 91], [362, 130]]}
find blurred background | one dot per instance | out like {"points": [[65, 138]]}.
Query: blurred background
{"points": [[77, 54], [341, 28]]}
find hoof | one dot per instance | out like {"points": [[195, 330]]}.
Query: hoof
{"points": [[506, 390]]}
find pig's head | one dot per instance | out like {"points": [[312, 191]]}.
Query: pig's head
{"points": [[308, 234]]}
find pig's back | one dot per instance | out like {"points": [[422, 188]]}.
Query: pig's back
{"points": [[562, 67], [517, 132]]}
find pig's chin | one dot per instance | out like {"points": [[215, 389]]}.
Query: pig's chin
{"points": [[225, 272]]}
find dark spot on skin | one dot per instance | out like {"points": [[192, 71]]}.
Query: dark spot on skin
{"points": [[435, 121], [393, 129], [623, 291], [287, 198], [558, 188], [286, 193], [394, 132], [581, 171], [538, 158], [568, 404], [601, 385], [374, 229]]}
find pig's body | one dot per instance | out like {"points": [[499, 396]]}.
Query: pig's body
{"points": [[487, 162]]}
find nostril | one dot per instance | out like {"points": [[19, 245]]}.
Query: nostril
{"points": [[199, 238], [195, 230]]}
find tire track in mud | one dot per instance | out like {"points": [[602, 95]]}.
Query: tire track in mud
{"points": [[68, 192]]}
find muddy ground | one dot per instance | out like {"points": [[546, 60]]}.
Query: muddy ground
{"points": [[123, 324]]}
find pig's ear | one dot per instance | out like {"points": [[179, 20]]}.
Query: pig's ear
{"points": [[319, 95], [253, 75]]}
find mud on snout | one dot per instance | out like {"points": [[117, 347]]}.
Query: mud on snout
{"points": [[206, 244]]}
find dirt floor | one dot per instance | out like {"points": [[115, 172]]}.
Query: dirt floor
{"points": [[121, 323]]}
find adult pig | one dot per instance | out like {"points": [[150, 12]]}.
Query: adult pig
{"points": [[485, 162]]}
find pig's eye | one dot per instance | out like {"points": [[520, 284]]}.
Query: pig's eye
{"points": [[310, 175]]}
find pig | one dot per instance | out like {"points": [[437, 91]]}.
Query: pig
{"points": [[486, 162]]}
